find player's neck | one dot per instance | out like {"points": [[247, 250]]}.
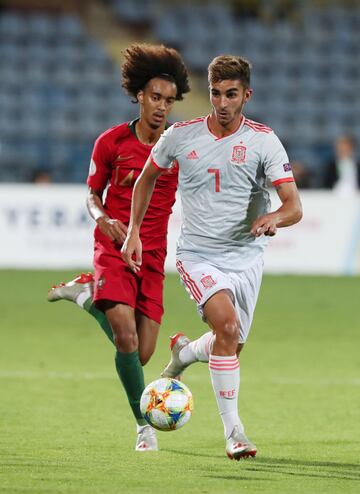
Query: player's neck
{"points": [[220, 130], [146, 135]]}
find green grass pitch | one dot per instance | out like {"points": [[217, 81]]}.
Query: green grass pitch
{"points": [[65, 426]]}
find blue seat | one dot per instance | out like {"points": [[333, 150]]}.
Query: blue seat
{"points": [[70, 27], [63, 126], [67, 52], [9, 153], [194, 57], [67, 77], [90, 127], [10, 53], [33, 98], [169, 29], [139, 12], [333, 129], [93, 76], [32, 125], [38, 53], [34, 74], [13, 26], [94, 54], [41, 27], [9, 102], [10, 76]]}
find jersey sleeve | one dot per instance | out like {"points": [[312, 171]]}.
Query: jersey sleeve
{"points": [[275, 160], [100, 165], [164, 152]]}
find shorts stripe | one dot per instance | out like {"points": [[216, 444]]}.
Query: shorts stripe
{"points": [[189, 282]]}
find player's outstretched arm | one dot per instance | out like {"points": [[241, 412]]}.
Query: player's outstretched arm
{"points": [[289, 213], [114, 229], [141, 196]]}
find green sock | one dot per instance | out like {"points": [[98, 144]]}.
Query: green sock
{"points": [[128, 365], [131, 373], [90, 307]]}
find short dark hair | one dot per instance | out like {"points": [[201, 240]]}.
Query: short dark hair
{"points": [[143, 62], [229, 67]]}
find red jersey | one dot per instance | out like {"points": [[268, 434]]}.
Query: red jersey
{"points": [[118, 158]]}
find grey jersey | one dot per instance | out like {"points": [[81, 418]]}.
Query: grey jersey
{"points": [[222, 182]]}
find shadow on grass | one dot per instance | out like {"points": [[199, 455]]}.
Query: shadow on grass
{"points": [[307, 463], [191, 453], [307, 468], [285, 466]]}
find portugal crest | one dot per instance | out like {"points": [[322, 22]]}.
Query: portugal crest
{"points": [[238, 155]]}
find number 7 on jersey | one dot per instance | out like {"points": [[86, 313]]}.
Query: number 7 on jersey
{"points": [[216, 172]]}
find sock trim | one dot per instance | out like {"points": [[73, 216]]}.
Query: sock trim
{"points": [[82, 298], [223, 363]]}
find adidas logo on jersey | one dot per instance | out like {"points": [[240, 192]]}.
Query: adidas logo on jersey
{"points": [[192, 156]]}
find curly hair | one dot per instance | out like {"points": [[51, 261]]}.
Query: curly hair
{"points": [[143, 62], [229, 67]]}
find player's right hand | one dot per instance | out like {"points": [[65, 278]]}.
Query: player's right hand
{"points": [[114, 229], [132, 245]]}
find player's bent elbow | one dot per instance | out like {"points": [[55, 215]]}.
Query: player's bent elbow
{"points": [[298, 213], [295, 214]]}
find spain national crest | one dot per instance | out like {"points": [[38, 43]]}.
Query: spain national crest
{"points": [[238, 155], [208, 281]]}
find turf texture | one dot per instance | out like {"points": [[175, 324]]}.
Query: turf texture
{"points": [[65, 426]]}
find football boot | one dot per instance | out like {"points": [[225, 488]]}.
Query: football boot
{"points": [[146, 439], [84, 282], [238, 446], [175, 367]]}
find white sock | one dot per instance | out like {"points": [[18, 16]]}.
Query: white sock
{"points": [[140, 428], [82, 298], [225, 378], [198, 350]]}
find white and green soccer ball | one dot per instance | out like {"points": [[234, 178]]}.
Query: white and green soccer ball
{"points": [[166, 404]]}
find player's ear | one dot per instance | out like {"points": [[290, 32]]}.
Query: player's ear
{"points": [[140, 96], [248, 94]]}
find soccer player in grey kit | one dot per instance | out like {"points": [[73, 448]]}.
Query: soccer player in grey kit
{"points": [[224, 161]]}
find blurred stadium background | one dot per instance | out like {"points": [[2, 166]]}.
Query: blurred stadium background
{"points": [[59, 63], [60, 88]]}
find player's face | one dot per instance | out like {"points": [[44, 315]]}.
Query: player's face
{"points": [[156, 102], [227, 100]]}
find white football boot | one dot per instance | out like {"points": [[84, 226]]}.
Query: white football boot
{"points": [[83, 283], [175, 367], [238, 446], [146, 439]]}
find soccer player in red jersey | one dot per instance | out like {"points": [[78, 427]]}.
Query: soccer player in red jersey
{"points": [[129, 305]]}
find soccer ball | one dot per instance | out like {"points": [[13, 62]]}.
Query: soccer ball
{"points": [[166, 404]]}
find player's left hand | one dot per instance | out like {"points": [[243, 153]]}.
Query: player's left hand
{"points": [[265, 225], [131, 246]]}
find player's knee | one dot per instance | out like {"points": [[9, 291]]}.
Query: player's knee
{"points": [[229, 331], [125, 339]]}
